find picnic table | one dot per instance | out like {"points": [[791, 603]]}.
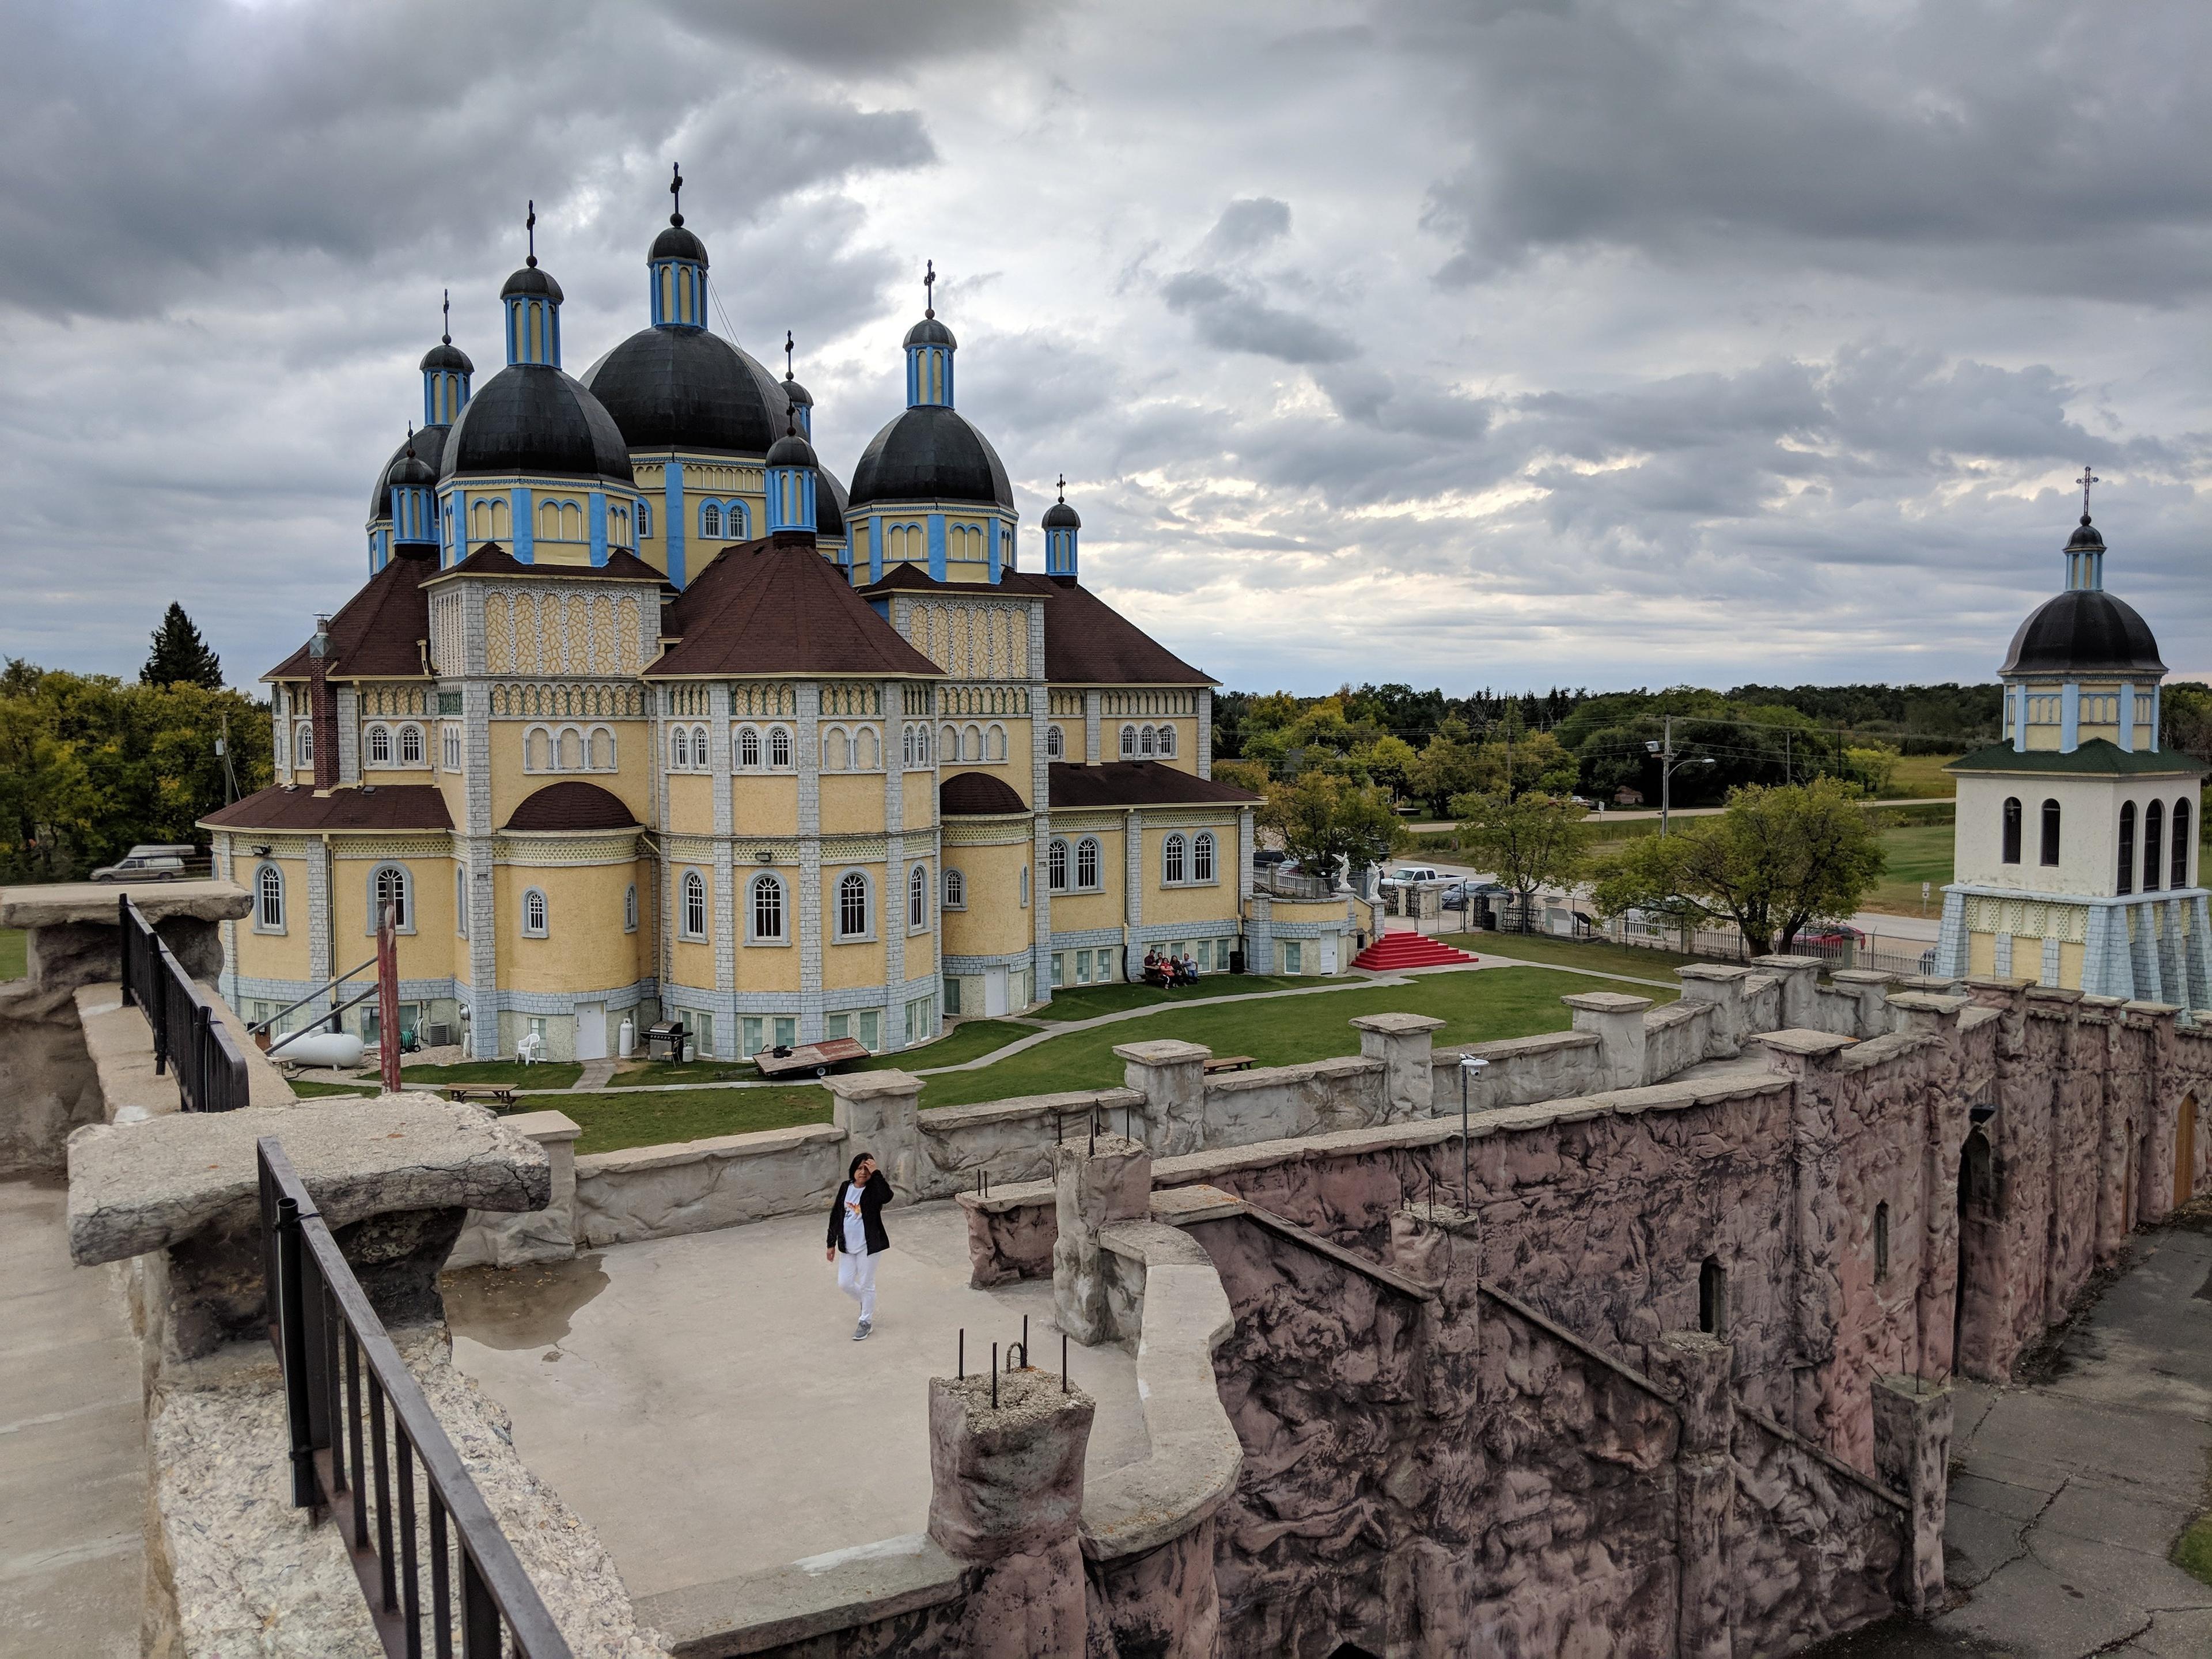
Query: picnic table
{"points": [[502, 1093], [1228, 1063], [815, 1057]]}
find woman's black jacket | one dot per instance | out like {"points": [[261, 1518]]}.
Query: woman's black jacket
{"points": [[874, 1197]]}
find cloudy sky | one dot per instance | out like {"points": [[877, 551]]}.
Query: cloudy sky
{"points": [[1596, 342]]}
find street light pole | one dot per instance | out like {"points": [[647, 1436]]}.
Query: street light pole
{"points": [[1668, 765], [1468, 1065]]}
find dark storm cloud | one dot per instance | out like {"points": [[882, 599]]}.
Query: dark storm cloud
{"points": [[1231, 315], [145, 150], [1246, 226], [2046, 146]]}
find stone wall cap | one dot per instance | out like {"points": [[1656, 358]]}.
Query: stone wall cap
{"points": [[818, 1596], [1153, 1243], [1861, 977], [1275, 1077], [2006, 982], [140, 1187], [1939, 983], [544, 1127], [1398, 1025], [2054, 994], [672, 1154], [1798, 1040], [1508, 1047], [1076, 1103], [1712, 970], [1606, 1002], [95, 902], [1163, 1051], [1932, 1002], [871, 1085], [1789, 961], [2091, 999], [1182, 1206], [2154, 1009]]}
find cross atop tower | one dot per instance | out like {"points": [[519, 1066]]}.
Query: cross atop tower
{"points": [[445, 307], [1063, 486], [676, 193], [2086, 478], [787, 354], [529, 225], [929, 289]]}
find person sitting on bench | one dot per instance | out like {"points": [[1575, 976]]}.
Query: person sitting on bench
{"points": [[1187, 970], [1156, 972]]}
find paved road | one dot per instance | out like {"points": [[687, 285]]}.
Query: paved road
{"points": [[72, 1444], [2067, 1494]]}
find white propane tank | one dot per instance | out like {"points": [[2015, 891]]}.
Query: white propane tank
{"points": [[340, 1050], [626, 1040]]}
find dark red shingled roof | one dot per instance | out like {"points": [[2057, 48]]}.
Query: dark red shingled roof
{"points": [[1087, 641], [493, 560], [782, 608], [374, 633], [977, 795], [386, 806], [573, 804], [1140, 783]]}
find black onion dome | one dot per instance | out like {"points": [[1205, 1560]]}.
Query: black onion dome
{"points": [[533, 418], [931, 454], [2086, 539], [930, 332], [1060, 516], [828, 507], [677, 243], [2083, 631], [447, 356], [411, 469], [977, 795], [531, 280], [797, 395], [791, 450], [684, 388], [429, 443]]}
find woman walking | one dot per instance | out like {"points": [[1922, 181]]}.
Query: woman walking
{"points": [[857, 1236]]}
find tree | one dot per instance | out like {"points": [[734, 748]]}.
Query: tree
{"points": [[1244, 773], [2184, 718], [1529, 760], [1448, 765], [180, 656], [1772, 861], [1527, 841], [1389, 761], [1325, 821]]}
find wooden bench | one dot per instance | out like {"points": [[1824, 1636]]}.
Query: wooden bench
{"points": [[502, 1093], [1228, 1063]]}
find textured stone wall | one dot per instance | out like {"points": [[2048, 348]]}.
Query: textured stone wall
{"points": [[1813, 1547], [47, 1086]]}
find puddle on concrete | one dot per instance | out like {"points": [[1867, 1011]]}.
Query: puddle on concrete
{"points": [[527, 1307]]}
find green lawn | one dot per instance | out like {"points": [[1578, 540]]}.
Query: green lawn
{"points": [[1602, 956], [612, 1121], [307, 1091], [1089, 1001], [1476, 1007], [551, 1074], [11, 953], [633, 1073], [1917, 853], [969, 1041], [1918, 777]]}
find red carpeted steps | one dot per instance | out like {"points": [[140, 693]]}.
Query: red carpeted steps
{"points": [[1397, 950]]}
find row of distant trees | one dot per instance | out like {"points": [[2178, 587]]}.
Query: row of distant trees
{"points": [[90, 765]]}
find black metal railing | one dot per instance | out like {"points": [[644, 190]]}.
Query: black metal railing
{"points": [[189, 1036], [366, 1447]]}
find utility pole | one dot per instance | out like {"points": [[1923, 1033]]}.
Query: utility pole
{"points": [[1665, 752]]}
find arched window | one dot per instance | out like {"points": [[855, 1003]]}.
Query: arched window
{"points": [[699, 761], [866, 755], [269, 897], [838, 751], [917, 897], [779, 747], [1128, 742], [2011, 854], [537, 750], [1025, 887], [749, 748], [956, 891], [2154, 845], [2180, 877], [710, 521], [533, 914], [379, 746], [694, 905], [679, 751], [629, 909], [994, 743], [852, 906], [1147, 744], [906, 747], [734, 516], [1172, 859], [768, 908], [303, 745], [2051, 832], [460, 902], [2127, 869], [1055, 867], [948, 743], [571, 750], [971, 743], [411, 745], [1086, 863], [603, 749], [644, 520], [1056, 742], [1201, 857], [452, 735], [388, 886], [1167, 741]]}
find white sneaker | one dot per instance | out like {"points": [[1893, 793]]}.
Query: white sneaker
{"points": [[862, 1331]]}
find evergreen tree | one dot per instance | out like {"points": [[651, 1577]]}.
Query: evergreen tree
{"points": [[180, 656]]}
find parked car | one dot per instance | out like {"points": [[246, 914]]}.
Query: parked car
{"points": [[1834, 936], [164, 867], [1411, 874]]}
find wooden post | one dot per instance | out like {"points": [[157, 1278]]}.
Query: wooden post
{"points": [[387, 1000]]}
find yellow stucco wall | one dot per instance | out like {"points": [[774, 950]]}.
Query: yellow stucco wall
{"points": [[586, 948], [691, 797], [274, 956], [428, 952], [994, 921], [1163, 903], [852, 802], [764, 804]]}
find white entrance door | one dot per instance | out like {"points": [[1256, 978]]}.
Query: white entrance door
{"points": [[591, 1030], [994, 991], [1328, 953]]}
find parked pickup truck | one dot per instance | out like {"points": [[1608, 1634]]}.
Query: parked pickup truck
{"points": [[1412, 875], [158, 866]]}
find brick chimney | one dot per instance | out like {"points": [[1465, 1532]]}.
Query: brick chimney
{"points": [[322, 706]]}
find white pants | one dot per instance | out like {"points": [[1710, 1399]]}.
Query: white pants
{"points": [[856, 1277]]}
